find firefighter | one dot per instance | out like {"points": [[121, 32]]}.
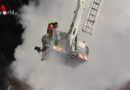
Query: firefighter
{"points": [[51, 27]]}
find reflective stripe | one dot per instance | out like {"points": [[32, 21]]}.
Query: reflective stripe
{"points": [[86, 58], [83, 57], [79, 55]]}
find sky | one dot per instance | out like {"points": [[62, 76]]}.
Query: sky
{"points": [[108, 66]]}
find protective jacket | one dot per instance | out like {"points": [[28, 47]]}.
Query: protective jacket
{"points": [[50, 28]]}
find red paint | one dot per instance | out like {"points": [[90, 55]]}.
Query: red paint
{"points": [[83, 57]]}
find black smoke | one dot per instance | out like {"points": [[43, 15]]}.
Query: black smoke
{"points": [[10, 37]]}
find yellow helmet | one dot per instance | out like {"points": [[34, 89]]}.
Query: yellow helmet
{"points": [[50, 22]]}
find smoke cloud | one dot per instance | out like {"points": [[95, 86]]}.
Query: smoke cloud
{"points": [[108, 66]]}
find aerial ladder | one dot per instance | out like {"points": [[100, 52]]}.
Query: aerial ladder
{"points": [[70, 43], [74, 45], [92, 16]]}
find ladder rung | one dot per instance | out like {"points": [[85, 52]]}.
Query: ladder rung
{"points": [[91, 20], [89, 32], [94, 9], [97, 3], [92, 14], [89, 27]]}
